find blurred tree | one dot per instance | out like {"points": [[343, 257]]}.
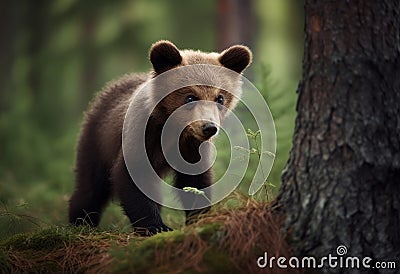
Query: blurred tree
{"points": [[8, 30], [235, 23], [341, 184], [191, 23], [296, 35], [90, 53], [36, 16]]}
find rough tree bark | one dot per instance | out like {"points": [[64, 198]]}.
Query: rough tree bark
{"points": [[341, 185]]}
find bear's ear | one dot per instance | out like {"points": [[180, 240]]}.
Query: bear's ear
{"points": [[164, 55], [236, 58]]}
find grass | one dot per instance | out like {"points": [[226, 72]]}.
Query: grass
{"points": [[57, 249]]}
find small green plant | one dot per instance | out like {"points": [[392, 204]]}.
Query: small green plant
{"points": [[255, 138], [197, 192]]}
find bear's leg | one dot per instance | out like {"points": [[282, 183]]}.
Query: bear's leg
{"points": [[200, 182], [143, 212], [91, 195]]}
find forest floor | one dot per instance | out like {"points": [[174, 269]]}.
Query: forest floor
{"points": [[224, 240]]}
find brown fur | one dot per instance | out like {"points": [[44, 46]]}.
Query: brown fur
{"points": [[100, 166]]}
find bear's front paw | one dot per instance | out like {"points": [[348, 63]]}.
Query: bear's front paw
{"points": [[151, 229]]}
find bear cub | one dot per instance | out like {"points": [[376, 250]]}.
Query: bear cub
{"points": [[101, 172]]}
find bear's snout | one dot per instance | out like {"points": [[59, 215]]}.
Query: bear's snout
{"points": [[203, 130], [209, 129]]}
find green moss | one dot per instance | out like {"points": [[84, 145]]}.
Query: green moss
{"points": [[4, 264], [217, 261], [210, 232], [47, 239], [37, 245], [163, 238], [138, 256]]}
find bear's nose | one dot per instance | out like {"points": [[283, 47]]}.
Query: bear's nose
{"points": [[209, 129]]}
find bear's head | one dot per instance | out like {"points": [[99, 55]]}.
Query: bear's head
{"points": [[201, 106]]}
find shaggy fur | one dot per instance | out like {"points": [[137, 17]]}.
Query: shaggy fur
{"points": [[100, 167]]}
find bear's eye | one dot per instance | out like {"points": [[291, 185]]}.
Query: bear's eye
{"points": [[190, 98], [220, 99]]}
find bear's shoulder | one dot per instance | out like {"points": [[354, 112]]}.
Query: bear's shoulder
{"points": [[119, 90], [126, 83]]}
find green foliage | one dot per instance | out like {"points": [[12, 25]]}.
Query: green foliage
{"points": [[282, 106], [17, 220], [257, 150]]}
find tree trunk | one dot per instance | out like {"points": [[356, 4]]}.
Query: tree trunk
{"points": [[341, 185]]}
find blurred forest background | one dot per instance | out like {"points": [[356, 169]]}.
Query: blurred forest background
{"points": [[55, 56]]}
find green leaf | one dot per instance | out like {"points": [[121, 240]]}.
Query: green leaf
{"points": [[193, 190]]}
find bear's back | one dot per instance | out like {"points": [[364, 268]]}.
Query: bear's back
{"points": [[105, 118]]}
